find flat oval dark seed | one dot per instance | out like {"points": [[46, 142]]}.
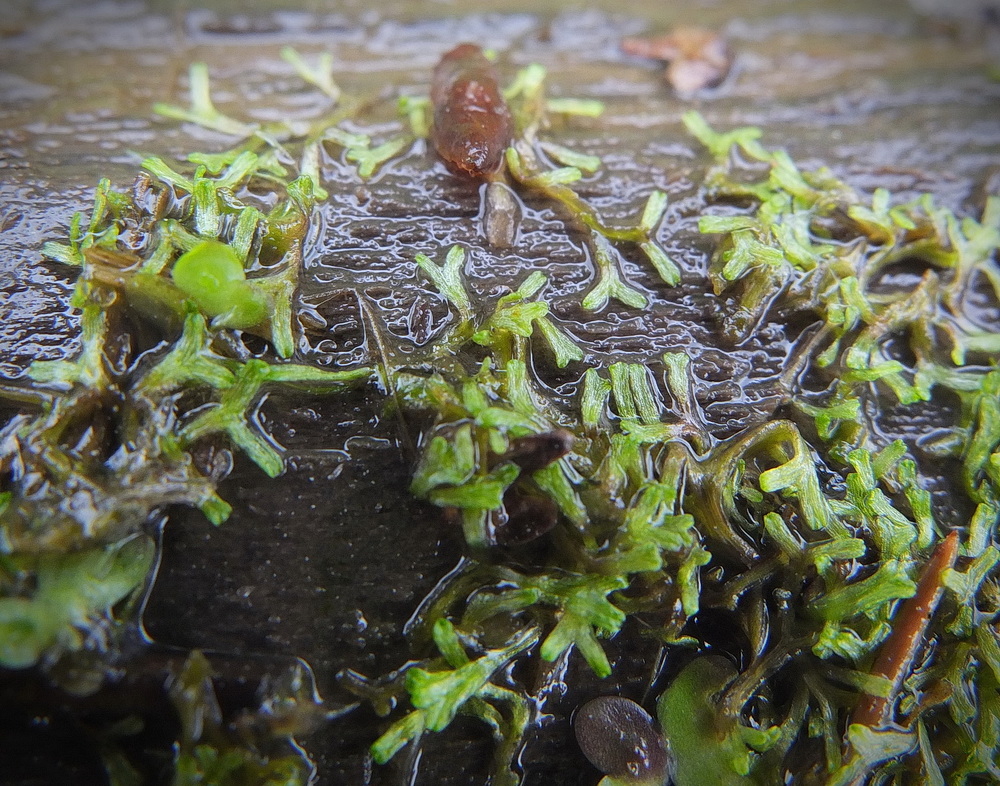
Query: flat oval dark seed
{"points": [[622, 740]]}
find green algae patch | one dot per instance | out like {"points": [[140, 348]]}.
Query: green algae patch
{"points": [[74, 592]]}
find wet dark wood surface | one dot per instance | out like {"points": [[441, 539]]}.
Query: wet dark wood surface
{"points": [[329, 561]]}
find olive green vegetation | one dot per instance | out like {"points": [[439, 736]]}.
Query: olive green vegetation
{"points": [[652, 516]]}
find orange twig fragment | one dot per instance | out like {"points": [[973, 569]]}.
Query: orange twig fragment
{"points": [[896, 657]]}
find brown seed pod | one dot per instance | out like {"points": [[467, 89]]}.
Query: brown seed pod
{"points": [[472, 123]]}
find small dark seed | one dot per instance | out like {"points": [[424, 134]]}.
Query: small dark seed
{"points": [[536, 451], [622, 740]]}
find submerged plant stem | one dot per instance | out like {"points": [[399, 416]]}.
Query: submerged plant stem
{"points": [[900, 650]]}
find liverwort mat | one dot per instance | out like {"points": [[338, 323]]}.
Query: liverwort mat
{"points": [[872, 652]]}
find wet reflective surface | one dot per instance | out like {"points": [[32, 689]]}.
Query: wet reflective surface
{"points": [[329, 561]]}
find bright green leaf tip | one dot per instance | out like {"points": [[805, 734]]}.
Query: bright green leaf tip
{"points": [[212, 275]]}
